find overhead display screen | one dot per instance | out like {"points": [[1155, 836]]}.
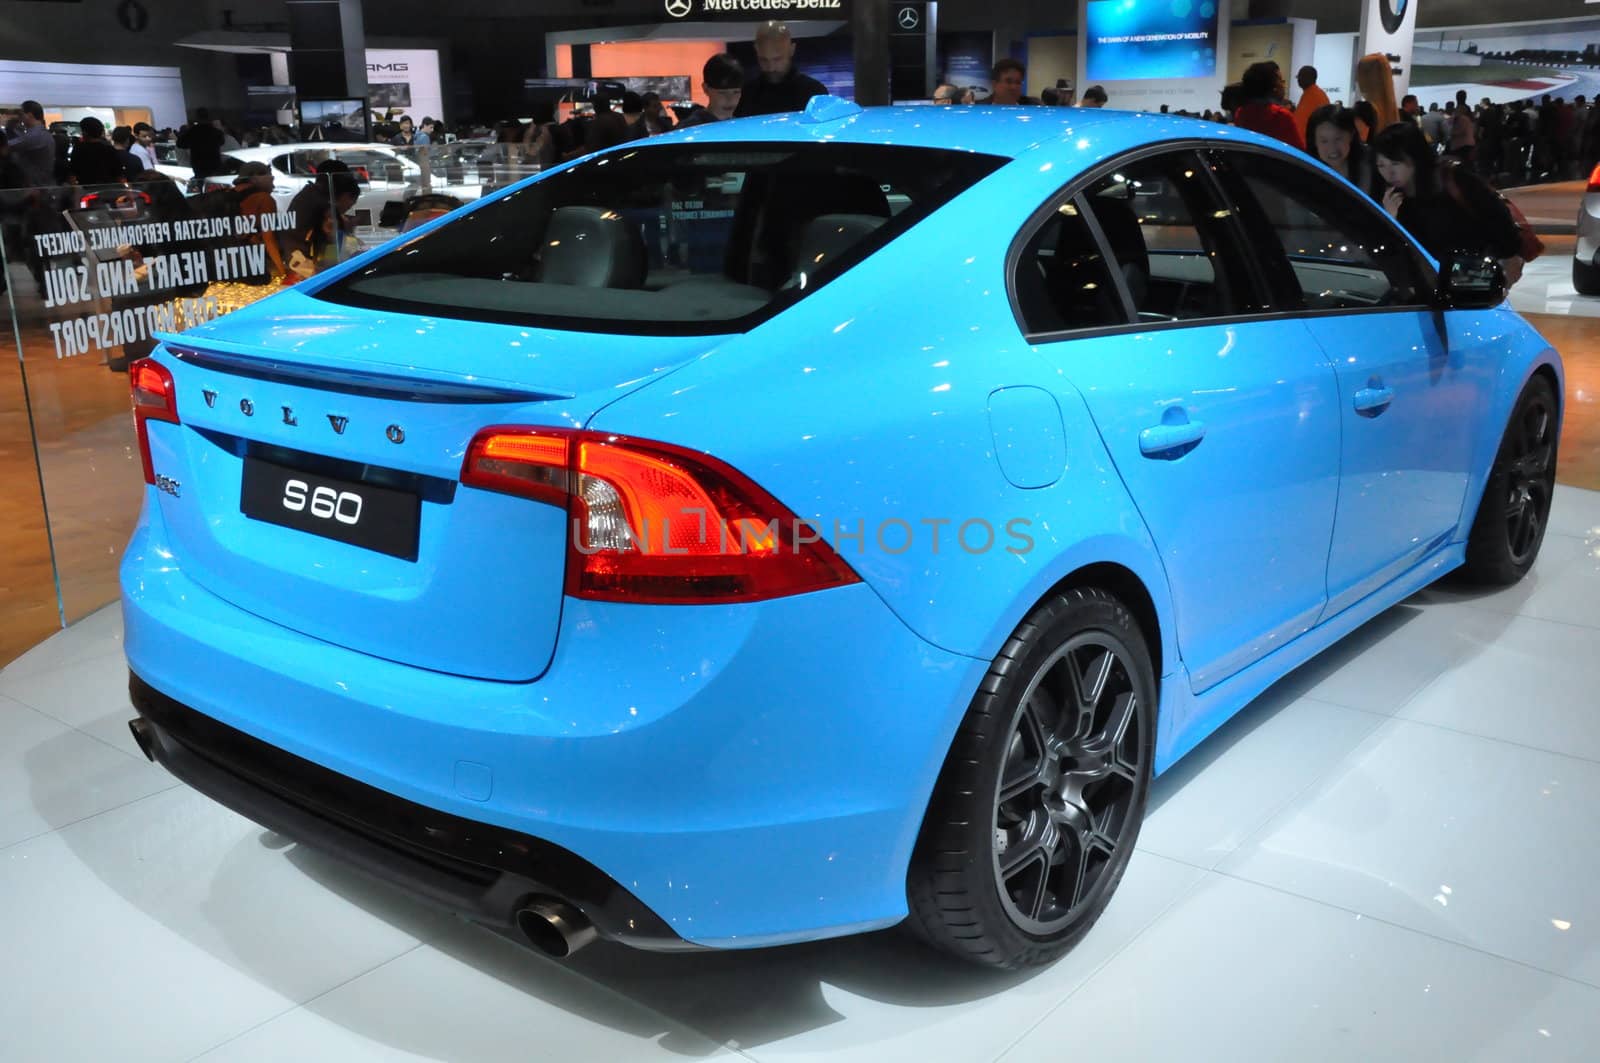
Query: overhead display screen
{"points": [[1133, 40]]}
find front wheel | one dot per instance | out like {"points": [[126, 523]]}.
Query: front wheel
{"points": [[1037, 809], [1515, 508], [1585, 277]]}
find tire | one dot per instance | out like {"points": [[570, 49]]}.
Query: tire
{"points": [[1585, 277], [1515, 509], [1014, 878]]}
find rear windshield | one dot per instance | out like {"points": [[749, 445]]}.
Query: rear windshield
{"points": [[667, 239]]}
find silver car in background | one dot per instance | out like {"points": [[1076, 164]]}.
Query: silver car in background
{"points": [[1586, 253]]}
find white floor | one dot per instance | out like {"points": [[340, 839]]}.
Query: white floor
{"points": [[1546, 288], [1394, 855]]}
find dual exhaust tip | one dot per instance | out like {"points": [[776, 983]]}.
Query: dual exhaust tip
{"points": [[552, 926]]}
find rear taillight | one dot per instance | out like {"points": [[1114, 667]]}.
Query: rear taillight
{"points": [[120, 199], [653, 523], [1594, 180], [154, 399]]}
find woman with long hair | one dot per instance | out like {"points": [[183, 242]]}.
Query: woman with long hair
{"points": [[1449, 209], [1333, 139], [1375, 79]]}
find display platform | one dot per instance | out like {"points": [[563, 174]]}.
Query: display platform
{"points": [[1393, 855]]}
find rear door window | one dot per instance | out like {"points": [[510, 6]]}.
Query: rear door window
{"points": [[1172, 242], [1322, 246], [678, 238]]}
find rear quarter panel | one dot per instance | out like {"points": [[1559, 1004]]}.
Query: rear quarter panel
{"points": [[865, 409]]}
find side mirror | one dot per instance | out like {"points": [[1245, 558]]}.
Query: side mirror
{"points": [[1471, 282]]}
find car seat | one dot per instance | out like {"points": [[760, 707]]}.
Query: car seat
{"points": [[1120, 224], [592, 247]]}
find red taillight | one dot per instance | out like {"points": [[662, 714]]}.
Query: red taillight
{"points": [[154, 399], [1594, 180], [113, 199], [653, 523]]}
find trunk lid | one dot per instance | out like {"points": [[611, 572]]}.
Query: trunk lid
{"points": [[314, 475]]}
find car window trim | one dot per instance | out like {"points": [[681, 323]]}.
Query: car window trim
{"points": [[1073, 191]]}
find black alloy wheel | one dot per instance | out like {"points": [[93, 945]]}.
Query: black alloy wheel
{"points": [[1064, 802], [1037, 809], [1532, 477], [1515, 510]]}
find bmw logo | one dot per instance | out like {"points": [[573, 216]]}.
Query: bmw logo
{"points": [[1392, 13]]}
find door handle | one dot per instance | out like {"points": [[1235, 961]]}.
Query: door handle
{"points": [[1372, 401], [1163, 439]]}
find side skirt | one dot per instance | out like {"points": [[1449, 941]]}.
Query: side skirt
{"points": [[1189, 719]]}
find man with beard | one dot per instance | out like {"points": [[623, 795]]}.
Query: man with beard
{"points": [[780, 87]]}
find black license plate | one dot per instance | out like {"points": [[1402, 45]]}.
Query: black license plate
{"points": [[364, 515]]}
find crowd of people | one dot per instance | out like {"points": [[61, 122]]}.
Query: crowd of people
{"points": [[1517, 143], [730, 92], [41, 185], [1434, 171]]}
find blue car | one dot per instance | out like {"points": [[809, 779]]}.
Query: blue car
{"points": [[799, 526]]}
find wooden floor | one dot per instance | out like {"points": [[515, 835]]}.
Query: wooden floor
{"points": [[90, 460], [82, 436]]}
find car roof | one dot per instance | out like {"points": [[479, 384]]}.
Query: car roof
{"points": [[1010, 132], [264, 152]]}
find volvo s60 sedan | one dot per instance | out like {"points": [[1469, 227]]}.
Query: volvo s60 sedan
{"points": [[794, 527]]}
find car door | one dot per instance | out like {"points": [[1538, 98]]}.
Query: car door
{"points": [[1410, 399], [1222, 421]]}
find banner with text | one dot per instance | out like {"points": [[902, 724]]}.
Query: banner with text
{"points": [[1388, 27], [752, 10]]}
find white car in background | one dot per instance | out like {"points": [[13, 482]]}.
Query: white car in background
{"points": [[1586, 252], [386, 176]]}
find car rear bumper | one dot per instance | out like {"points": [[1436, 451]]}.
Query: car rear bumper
{"points": [[727, 776], [473, 869]]}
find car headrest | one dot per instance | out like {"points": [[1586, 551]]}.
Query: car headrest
{"points": [[592, 247], [824, 239], [1120, 223]]}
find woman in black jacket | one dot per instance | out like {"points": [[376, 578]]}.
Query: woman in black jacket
{"points": [[1449, 209]]}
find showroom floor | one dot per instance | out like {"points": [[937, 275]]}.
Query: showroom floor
{"points": [[1393, 855]]}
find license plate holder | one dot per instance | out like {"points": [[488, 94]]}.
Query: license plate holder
{"points": [[375, 518]]}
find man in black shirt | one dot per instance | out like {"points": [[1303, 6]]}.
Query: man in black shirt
{"points": [[203, 141], [722, 80], [780, 87], [94, 161]]}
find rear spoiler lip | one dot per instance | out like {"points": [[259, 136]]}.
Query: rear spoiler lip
{"points": [[350, 381]]}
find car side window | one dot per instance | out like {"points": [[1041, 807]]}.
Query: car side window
{"points": [[294, 163], [1341, 254], [1170, 241], [1062, 279]]}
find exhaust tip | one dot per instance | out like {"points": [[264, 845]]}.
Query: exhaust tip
{"points": [[142, 737], [554, 927]]}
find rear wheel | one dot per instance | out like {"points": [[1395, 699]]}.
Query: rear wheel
{"points": [[1515, 509], [1036, 812]]}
